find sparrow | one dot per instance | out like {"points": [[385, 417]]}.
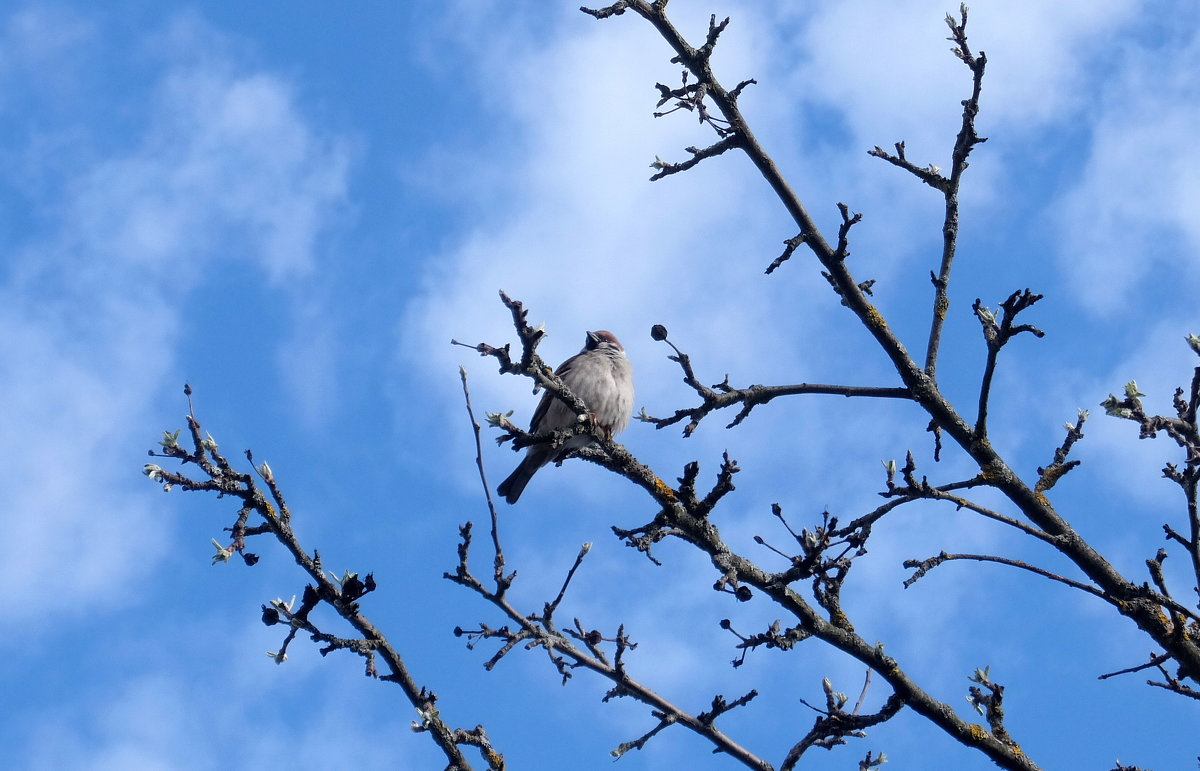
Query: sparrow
{"points": [[602, 377]]}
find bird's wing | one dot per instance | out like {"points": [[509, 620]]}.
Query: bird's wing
{"points": [[539, 415]]}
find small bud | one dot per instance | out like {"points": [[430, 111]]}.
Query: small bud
{"points": [[1112, 406], [743, 594], [353, 588], [658, 332], [427, 716], [223, 554]]}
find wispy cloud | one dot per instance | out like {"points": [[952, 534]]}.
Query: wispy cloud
{"points": [[223, 168], [1129, 224]]}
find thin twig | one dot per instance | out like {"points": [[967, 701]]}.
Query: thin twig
{"points": [[502, 582]]}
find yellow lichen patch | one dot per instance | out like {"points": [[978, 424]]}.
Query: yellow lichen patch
{"points": [[840, 619], [663, 490], [875, 318], [978, 732], [1051, 476]]}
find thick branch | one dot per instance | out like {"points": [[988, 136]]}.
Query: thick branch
{"points": [[1130, 599]]}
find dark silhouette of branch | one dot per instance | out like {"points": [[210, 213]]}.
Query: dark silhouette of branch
{"points": [[722, 395], [342, 595], [916, 490], [988, 700], [1154, 661], [1138, 602], [789, 247], [924, 566], [534, 630], [684, 514], [665, 169], [812, 563], [931, 175], [502, 581], [540, 630], [834, 724], [997, 334]]}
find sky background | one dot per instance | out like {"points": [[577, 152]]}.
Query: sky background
{"points": [[294, 207]]}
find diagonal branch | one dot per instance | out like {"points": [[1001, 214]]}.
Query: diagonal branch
{"points": [[539, 631], [342, 595], [665, 168]]}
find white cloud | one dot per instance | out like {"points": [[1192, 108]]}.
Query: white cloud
{"points": [[1160, 364], [1129, 220], [887, 67], [222, 708], [684, 254], [581, 236], [225, 167], [39, 43]]}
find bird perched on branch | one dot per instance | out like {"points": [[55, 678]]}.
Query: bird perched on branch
{"points": [[602, 377]]}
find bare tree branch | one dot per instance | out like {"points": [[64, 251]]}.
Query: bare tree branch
{"points": [[342, 595]]}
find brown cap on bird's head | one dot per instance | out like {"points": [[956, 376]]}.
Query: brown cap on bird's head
{"points": [[595, 339]]}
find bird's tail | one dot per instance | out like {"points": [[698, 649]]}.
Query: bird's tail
{"points": [[512, 487]]}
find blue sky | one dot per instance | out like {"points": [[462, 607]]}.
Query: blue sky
{"points": [[294, 207]]}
